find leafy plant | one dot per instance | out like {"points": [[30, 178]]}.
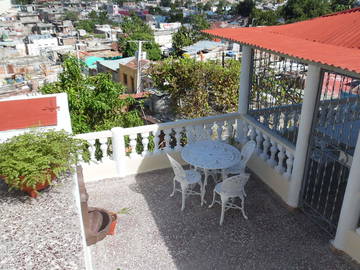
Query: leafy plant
{"points": [[94, 101], [124, 211], [29, 159], [198, 88]]}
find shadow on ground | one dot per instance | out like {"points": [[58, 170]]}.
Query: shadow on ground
{"points": [[157, 235]]}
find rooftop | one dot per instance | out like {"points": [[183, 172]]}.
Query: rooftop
{"points": [[332, 40], [157, 235], [114, 64], [202, 45]]}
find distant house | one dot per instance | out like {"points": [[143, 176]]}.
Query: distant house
{"points": [[128, 75], [205, 50], [36, 43], [112, 67]]}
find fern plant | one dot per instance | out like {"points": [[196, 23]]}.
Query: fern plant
{"points": [[30, 159]]}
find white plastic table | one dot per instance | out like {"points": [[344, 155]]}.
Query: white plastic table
{"points": [[210, 155]]}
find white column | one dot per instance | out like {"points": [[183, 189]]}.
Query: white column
{"points": [[350, 210], [118, 147], [307, 111], [245, 79]]}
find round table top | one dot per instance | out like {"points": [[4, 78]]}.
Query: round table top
{"points": [[210, 154]]}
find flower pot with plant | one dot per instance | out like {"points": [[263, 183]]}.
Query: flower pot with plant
{"points": [[31, 161]]}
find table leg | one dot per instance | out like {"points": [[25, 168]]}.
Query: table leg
{"points": [[223, 174]]}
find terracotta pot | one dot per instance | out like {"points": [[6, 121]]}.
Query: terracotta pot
{"points": [[33, 192], [112, 228]]}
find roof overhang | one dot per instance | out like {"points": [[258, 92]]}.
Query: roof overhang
{"points": [[335, 58]]}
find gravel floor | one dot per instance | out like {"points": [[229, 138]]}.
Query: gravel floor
{"points": [[157, 235], [42, 233]]}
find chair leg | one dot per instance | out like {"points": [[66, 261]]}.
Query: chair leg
{"points": [[213, 201], [223, 205], [183, 197], [243, 208], [172, 194], [202, 193]]}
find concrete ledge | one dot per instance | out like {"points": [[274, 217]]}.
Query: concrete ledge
{"points": [[352, 245], [269, 176]]}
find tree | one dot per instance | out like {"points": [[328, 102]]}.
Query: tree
{"points": [[183, 37], [94, 101], [245, 8], [165, 3], [264, 17], [298, 10], [340, 5], [135, 29], [71, 15], [198, 88], [87, 25]]}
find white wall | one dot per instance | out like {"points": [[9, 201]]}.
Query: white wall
{"points": [[63, 115], [5, 5], [39, 44]]}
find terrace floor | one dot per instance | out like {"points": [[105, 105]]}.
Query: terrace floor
{"points": [[155, 234]]}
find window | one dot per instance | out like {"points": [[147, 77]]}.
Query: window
{"points": [[125, 79]]}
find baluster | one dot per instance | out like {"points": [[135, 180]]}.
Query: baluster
{"points": [[244, 130], [276, 121], [178, 138], [281, 155], [266, 144], [145, 143], [259, 139], [167, 139], [289, 164], [92, 150], [219, 130], [230, 130], [252, 133], [156, 141], [104, 148], [273, 150], [133, 138]]}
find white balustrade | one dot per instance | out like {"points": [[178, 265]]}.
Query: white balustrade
{"points": [[259, 139], [167, 139], [281, 156], [266, 144], [145, 143], [132, 144], [99, 147]]}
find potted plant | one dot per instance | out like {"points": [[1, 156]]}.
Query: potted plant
{"points": [[31, 161]]}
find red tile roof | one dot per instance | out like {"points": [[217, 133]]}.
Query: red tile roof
{"points": [[26, 113], [332, 39]]}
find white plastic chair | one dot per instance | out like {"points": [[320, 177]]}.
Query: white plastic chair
{"points": [[188, 180], [229, 190], [246, 152]]}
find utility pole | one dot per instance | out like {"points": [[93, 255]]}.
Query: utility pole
{"points": [[138, 80], [138, 69]]}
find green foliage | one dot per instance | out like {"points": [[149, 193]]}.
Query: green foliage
{"points": [[340, 5], [27, 159], [94, 101], [165, 3], [185, 37], [135, 29], [71, 15], [198, 88], [94, 18], [87, 25], [298, 10], [264, 17], [245, 8]]}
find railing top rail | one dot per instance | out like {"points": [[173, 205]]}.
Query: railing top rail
{"points": [[179, 123], [278, 139], [95, 135]]}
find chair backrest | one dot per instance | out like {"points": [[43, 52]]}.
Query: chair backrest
{"points": [[178, 169], [197, 133], [234, 185], [246, 152]]}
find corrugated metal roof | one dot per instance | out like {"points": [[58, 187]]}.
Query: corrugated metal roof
{"points": [[332, 40], [202, 45], [26, 113]]}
